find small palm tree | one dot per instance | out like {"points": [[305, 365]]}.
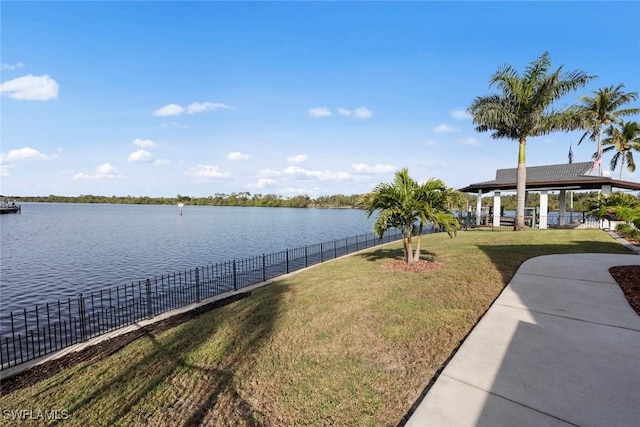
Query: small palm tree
{"points": [[522, 109], [625, 140], [603, 109], [401, 202]]}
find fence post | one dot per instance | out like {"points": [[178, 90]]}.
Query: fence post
{"points": [[197, 285], [335, 251], [346, 245], [81, 314], [235, 276], [264, 276], [306, 261], [321, 253], [149, 312]]}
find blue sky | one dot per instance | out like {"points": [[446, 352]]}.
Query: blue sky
{"points": [[316, 98]]}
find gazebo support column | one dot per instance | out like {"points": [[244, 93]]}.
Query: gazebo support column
{"points": [[562, 208], [496, 208], [479, 208], [544, 210]]}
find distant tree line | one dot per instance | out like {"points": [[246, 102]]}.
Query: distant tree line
{"points": [[581, 201], [218, 199]]}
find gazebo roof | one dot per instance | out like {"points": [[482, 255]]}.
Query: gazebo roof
{"points": [[552, 177]]}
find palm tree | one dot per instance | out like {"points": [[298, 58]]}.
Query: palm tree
{"points": [[624, 140], [434, 199], [400, 203], [522, 109], [603, 109]]}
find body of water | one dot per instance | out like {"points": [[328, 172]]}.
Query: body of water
{"points": [[52, 251]]}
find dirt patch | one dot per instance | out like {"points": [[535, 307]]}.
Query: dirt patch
{"points": [[628, 277], [421, 266]]}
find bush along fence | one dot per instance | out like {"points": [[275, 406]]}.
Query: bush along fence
{"points": [[30, 333]]}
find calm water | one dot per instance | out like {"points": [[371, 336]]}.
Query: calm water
{"points": [[52, 251]]}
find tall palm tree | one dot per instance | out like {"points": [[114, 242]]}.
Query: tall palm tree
{"points": [[603, 109], [624, 140], [523, 109], [401, 202]]}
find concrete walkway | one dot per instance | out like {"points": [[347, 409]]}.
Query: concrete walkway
{"points": [[560, 346]]}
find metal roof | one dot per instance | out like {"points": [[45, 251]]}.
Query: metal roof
{"points": [[551, 177]]}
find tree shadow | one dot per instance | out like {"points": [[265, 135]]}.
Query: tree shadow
{"points": [[508, 258], [171, 355], [531, 341], [393, 253]]}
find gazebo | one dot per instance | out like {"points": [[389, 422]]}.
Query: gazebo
{"points": [[570, 176]]}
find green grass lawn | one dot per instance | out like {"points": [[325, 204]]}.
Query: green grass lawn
{"points": [[342, 343]]}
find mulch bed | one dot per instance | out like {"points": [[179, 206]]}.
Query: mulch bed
{"points": [[421, 266], [628, 277]]}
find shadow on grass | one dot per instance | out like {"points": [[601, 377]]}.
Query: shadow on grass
{"points": [[172, 357], [508, 258], [392, 253]]}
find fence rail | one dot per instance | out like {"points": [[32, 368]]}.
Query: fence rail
{"points": [[30, 333], [575, 220]]}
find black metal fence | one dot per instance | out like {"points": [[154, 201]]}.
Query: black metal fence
{"points": [[30, 333], [573, 220]]}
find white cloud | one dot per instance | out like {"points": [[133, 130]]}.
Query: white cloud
{"points": [[319, 112], [460, 114], [26, 153], [469, 141], [264, 173], [198, 107], [104, 171], [364, 168], [317, 175], [31, 88], [444, 128], [262, 183], [193, 108], [363, 113], [358, 113], [144, 143], [173, 125], [236, 155], [161, 162], [431, 142], [140, 156], [169, 110], [207, 172], [10, 67], [297, 159]]}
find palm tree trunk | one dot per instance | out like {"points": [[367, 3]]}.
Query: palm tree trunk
{"points": [[600, 150], [521, 185], [408, 250], [416, 255]]}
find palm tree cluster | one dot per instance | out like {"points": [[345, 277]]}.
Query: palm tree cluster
{"points": [[403, 203], [604, 109], [524, 108]]}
